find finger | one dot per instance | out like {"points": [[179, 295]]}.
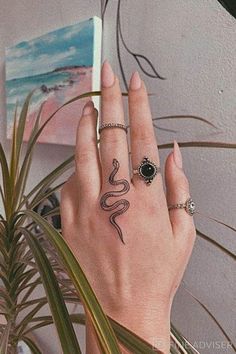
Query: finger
{"points": [[113, 141], [69, 203], [177, 188], [143, 139], [86, 153]]}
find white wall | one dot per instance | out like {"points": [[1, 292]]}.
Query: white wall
{"points": [[192, 44]]}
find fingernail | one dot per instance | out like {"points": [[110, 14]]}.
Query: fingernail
{"points": [[177, 155], [108, 77], [135, 81], [88, 108]]}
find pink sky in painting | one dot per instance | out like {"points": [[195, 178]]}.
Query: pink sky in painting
{"points": [[62, 128]]}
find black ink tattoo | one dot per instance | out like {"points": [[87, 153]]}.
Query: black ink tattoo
{"points": [[123, 202]]}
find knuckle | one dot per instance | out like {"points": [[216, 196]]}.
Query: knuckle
{"points": [[144, 135], [112, 139], [83, 156]]}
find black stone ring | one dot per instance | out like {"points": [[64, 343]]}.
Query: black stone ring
{"points": [[147, 170]]}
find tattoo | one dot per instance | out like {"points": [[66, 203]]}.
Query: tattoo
{"points": [[122, 202]]}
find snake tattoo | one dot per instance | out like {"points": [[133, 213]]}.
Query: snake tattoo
{"points": [[122, 202]]}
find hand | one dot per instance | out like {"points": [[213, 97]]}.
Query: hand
{"points": [[134, 256]]}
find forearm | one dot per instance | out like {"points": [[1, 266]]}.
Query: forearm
{"points": [[152, 326]]}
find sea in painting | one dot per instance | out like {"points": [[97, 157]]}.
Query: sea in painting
{"points": [[59, 65]]}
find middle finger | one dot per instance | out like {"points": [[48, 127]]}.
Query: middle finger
{"points": [[143, 139]]}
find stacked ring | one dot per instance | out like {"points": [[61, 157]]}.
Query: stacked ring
{"points": [[112, 125]]}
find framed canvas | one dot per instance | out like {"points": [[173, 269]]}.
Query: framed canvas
{"points": [[60, 65]]}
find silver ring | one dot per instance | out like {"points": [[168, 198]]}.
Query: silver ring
{"points": [[112, 125], [189, 206], [147, 170]]}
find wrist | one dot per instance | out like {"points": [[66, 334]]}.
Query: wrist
{"points": [[151, 324]]}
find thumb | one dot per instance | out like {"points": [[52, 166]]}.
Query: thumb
{"points": [[177, 188]]}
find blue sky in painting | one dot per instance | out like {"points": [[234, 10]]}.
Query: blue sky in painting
{"points": [[69, 46]]}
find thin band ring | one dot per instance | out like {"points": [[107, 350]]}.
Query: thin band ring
{"points": [[112, 125]]}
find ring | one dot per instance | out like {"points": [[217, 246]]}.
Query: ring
{"points": [[112, 125], [147, 170], [189, 206]]}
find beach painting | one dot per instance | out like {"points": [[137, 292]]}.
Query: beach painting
{"points": [[60, 65]]}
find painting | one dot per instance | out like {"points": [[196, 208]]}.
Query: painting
{"points": [[60, 65]]}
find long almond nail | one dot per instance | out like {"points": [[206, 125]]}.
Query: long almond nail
{"points": [[135, 81], [88, 108], [108, 77], [177, 155]]}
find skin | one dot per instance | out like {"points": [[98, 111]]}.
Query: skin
{"points": [[135, 282]]}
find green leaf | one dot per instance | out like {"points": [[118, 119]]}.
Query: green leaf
{"points": [[42, 196], [21, 182], [3, 199], [4, 340], [17, 143], [217, 221], [100, 322], [24, 172], [33, 347], [34, 137], [207, 144], [21, 125], [36, 124], [129, 339], [56, 302], [204, 120], [212, 317], [215, 243], [229, 5], [180, 341], [14, 162], [6, 181], [48, 180], [20, 328]]}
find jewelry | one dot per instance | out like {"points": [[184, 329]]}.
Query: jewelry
{"points": [[147, 170], [112, 125], [189, 206]]}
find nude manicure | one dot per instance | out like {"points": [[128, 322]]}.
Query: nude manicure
{"points": [[107, 77], [135, 81], [177, 155], [88, 108]]}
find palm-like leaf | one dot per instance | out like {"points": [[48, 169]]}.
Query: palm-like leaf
{"points": [[59, 311]]}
